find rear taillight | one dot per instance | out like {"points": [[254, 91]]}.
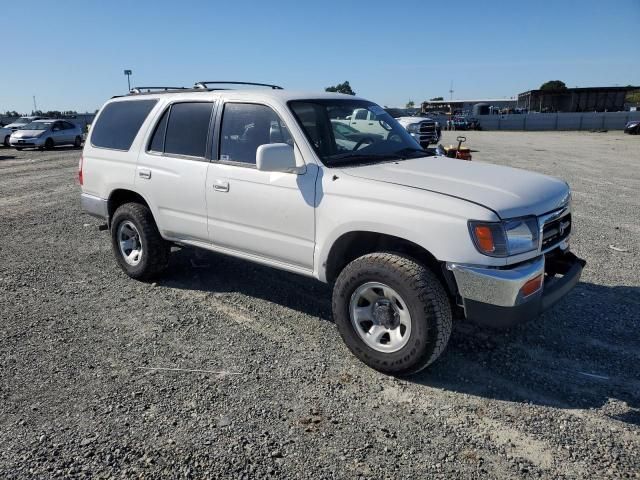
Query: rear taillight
{"points": [[80, 180]]}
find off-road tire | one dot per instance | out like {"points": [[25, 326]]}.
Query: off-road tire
{"points": [[155, 256], [426, 300]]}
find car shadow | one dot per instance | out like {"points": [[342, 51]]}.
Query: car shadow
{"points": [[195, 269], [7, 157], [583, 353]]}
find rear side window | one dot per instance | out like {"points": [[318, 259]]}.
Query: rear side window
{"points": [[119, 122], [187, 129]]}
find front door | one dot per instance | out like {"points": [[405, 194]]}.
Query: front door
{"points": [[172, 170], [266, 214]]}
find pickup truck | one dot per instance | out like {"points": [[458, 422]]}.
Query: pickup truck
{"points": [[424, 130], [409, 241]]}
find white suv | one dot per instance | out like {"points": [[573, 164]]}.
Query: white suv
{"points": [[409, 241]]}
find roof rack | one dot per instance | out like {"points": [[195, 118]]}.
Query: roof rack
{"points": [[138, 90], [203, 85]]}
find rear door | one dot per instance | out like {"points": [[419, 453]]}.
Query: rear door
{"points": [[172, 169], [58, 132]]}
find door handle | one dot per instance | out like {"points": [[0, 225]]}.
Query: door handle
{"points": [[221, 186], [144, 173]]}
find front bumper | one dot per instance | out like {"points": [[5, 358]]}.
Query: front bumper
{"points": [[493, 297], [26, 142]]}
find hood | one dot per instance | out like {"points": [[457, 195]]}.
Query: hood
{"points": [[15, 125], [510, 192], [409, 120], [27, 133]]}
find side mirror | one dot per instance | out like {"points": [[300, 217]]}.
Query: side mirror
{"points": [[276, 157]]}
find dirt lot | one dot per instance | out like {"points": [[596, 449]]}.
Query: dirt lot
{"points": [[556, 398]]}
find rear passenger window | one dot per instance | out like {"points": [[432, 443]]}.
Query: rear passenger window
{"points": [[187, 129], [247, 126], [119, 122]]}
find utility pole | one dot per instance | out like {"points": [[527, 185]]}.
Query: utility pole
{"points": [[128, 74], [35, 107], [451, 101]]}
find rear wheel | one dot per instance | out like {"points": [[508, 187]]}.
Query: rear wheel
{"points": [[48, 144], [77, 142], [6, 141], [137, 244], [392, 312]]}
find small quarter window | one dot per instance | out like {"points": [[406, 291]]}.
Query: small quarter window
{"points": [[157, 141]]}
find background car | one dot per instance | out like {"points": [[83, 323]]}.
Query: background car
{"points": [[5, 133], [632, 127], [7, 130], [46, 134]]}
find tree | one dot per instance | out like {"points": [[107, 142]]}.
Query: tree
{"points": [[436, 99], [341, 88], [553, 86], [633, 96], [410, 104]]}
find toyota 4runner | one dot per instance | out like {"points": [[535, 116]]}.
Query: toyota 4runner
{"points": [[408, 240]]}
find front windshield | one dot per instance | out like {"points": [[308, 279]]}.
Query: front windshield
{"points": [[37, 126], [353, 131]]}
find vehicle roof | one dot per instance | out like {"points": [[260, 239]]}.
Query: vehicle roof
{"points": [[43, 120], [248, 94]]}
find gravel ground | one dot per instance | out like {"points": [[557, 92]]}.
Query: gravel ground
{"points": [[277, 394]]}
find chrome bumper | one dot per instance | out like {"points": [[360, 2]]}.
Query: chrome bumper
{"points": [[95, 206], [493, 296]]}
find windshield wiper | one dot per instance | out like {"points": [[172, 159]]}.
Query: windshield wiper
{"points": [[409, 150], [363, 158]]}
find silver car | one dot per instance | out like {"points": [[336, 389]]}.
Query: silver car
{"points": [[46, 134]]}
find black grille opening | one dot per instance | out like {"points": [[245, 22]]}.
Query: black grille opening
{"points": [[427, 127], [555, 231]]}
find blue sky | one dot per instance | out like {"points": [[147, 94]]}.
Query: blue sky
{"points": [[390, 51]]}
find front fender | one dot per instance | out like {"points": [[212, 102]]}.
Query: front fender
{"points": [[435, 222]]}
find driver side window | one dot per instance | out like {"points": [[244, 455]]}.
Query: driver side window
{"points": [[245, 127]]}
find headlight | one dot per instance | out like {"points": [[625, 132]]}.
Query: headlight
{"points": [[413, 127], [509, 237]]}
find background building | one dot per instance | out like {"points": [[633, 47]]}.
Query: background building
{"points": [[491, 105], [590, 99]]}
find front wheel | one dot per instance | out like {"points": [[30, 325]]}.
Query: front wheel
{"points": [[392, 312], [77, 143], [6, 141], [137, 244]]}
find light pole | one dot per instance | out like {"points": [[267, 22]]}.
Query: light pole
{"points": [[128, 74]]}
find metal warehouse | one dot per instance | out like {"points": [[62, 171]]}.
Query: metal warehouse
{"points": [[589, 99]]}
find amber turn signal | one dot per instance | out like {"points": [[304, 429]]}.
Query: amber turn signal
{"points": [[484, 237], [532, 286]]}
